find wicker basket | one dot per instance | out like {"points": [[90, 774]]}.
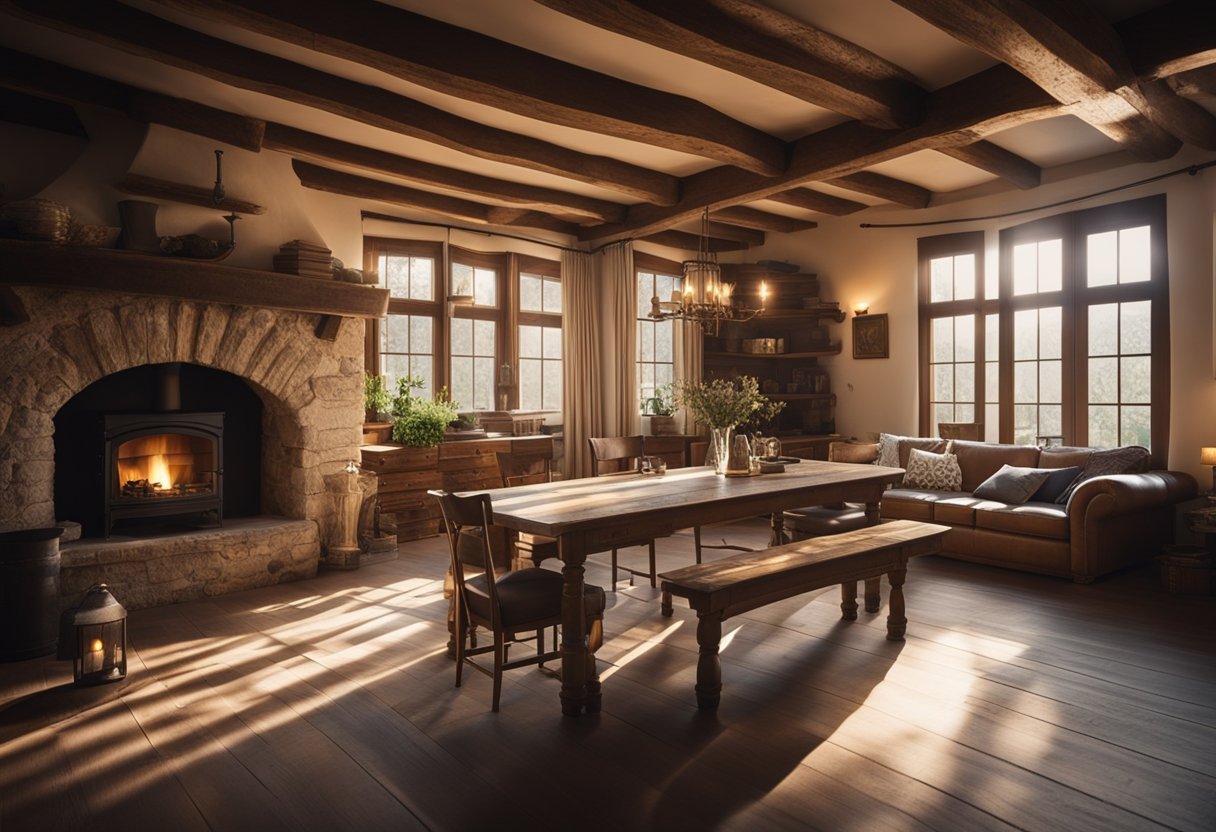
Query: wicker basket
{"points": [[92, 235], [36, 219]]}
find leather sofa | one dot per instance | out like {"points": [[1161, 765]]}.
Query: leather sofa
{"points": [[1109, 521]]}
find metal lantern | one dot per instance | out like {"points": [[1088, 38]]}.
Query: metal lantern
{"points": [[100, 623]]}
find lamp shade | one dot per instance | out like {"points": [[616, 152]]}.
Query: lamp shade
{"points": [[1207, 456]]}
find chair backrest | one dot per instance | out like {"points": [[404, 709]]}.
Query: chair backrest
{"points": [[466, 520], [972, 431], [670, 448], [615, 453], [516, 470]]}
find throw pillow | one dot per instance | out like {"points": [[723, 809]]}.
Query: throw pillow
{"points": [[1058, 479], [1132, 459], [936, 472], [1011, 484], [888, 450]]}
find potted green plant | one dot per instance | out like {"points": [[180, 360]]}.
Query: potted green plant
{"points": [[420, 422], [661, 406], [722, 405], [377, 401]]}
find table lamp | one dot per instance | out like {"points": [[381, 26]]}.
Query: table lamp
{"points": [[1207, 456]]}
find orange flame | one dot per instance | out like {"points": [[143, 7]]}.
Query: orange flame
{"points": [[165, 460]]}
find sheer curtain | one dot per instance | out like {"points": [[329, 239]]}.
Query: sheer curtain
{"points": [[623, 418], [582, 406]]}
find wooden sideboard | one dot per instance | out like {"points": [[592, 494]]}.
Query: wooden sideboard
{"points": [[404, 474]]}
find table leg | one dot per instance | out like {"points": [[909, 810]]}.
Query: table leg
{"points": [[778, 536], [897, 623], [709, 666], [873, 513], [848, 600], [873, 594], [576, 658]]}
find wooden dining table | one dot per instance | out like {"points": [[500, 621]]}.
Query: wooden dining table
{"points": [[596, 514]]}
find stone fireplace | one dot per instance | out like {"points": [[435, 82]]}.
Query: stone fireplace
{"points": [[311, 409]]}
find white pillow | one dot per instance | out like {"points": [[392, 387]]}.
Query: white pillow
{"points": [[888, 450], [934, 472]]}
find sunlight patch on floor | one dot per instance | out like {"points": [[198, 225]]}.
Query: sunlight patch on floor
{"points": [[641, 649]]}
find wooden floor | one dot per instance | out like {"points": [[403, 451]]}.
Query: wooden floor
{"points": [[1017, 702]]}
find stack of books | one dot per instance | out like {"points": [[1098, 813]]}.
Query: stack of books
{"points": [[303, 257]]}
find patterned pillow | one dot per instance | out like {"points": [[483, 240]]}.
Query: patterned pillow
{"points": [[1132, 459], [1012, 485], [935, 472], [888, 450]]}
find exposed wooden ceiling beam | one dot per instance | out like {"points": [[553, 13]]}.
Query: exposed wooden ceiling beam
{"points": [[884, 187], [1195, 81], [200, 119], [739, 234], [769, 47], [762, 220], [962, 113], [475, 67], [346, 184], [1166, 40], [321, 149], [818, 201], [33, 111], [674, 238], [1067, 50], [145, 35], [997, 160], [1186, 119]]}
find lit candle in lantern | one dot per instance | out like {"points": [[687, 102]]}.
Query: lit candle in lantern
{"points": [[687, 292], [96, 658], [763, 294]]}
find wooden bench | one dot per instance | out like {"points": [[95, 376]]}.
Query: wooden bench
{"points": [[746, 581]]}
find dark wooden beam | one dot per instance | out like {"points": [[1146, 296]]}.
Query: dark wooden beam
{"points": [[961, 113], [818, 201], [1195, 81], [769, 47], [1186, 119], [124, 28], [1169, 39], [762, 220], [192, 117], [139, 185], [475, 67], [674, 238], [321, 149], [47, 79], [884, 187], [34, 111], [997, 160], [82, 267], [739, 234], [336, 182], [1068, 50]]}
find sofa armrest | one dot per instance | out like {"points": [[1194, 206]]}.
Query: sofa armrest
{"points": [[862, 452], [1116, 519]]}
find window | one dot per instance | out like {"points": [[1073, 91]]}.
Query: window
{"points": [[656, 339], [1076, 333], [540, 337], [511, 318]]}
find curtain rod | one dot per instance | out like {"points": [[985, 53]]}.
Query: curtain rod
{"points": [[1193, 170]]}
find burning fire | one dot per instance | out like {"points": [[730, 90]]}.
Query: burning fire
{"points": [[163, 461]]}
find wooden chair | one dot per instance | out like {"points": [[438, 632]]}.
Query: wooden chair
{"points": [[514, 606], [834, 518], [972, 431], [527, 550], [614, 455]]}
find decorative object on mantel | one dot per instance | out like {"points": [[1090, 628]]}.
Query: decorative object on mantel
{"points": [[36, 219], [1207, 456], [870, 338], [99, 626], [718, 297], [304, 258], [138, 226]]}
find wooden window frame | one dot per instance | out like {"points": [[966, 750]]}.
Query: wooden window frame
{"points": [[643, 262]]}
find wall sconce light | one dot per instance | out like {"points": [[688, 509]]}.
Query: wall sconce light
{"points": [[1207, 456], [861, 309], [100, 625]]}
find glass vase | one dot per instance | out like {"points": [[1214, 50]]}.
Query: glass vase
{"points": [[719, 448]]}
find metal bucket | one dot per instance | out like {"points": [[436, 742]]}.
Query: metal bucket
{"points": [[29, 593]]}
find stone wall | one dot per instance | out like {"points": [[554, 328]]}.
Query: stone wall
{"points": [[311, 390]]}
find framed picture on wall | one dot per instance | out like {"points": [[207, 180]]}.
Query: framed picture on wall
{"points": [[870, 336]]}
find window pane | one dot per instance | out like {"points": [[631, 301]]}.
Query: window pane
{"points": [[964, 383], [943, 413], [1103, 329], [1050, 385], [941, 279], [646, 341], [964, 277], [423, 367], [529, 384], [1026, 381], [943, 339], [553, 386], [552, 296], [552, 337], [1026, 334], [1103, 426], [664, 284], [530, 293], [485, 287], [1025, 423], [943, 383], [1051, 265], [462, 381], [1025, 269], [483, 337], [1103, 380], [964, 412], [1135, 379], [396, 334], [992, 382], [422, 278], [1136, 427], [461, 336], [646, 291], [655, 339], [462, 279], [1051, 335], [1102, 253], [529, 342], [483, 384], [964, 347], [1051, 420], [422, 329], [1134, 259], [1135, 330], [664, 342]]}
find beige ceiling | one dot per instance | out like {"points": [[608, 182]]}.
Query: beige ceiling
{"points": [[928, 56]]}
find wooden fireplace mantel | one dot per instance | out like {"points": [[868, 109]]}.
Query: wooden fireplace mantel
{"points": [[25, 263]]}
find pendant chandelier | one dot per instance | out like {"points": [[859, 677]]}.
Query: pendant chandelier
{"points": [[705, 299]]}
